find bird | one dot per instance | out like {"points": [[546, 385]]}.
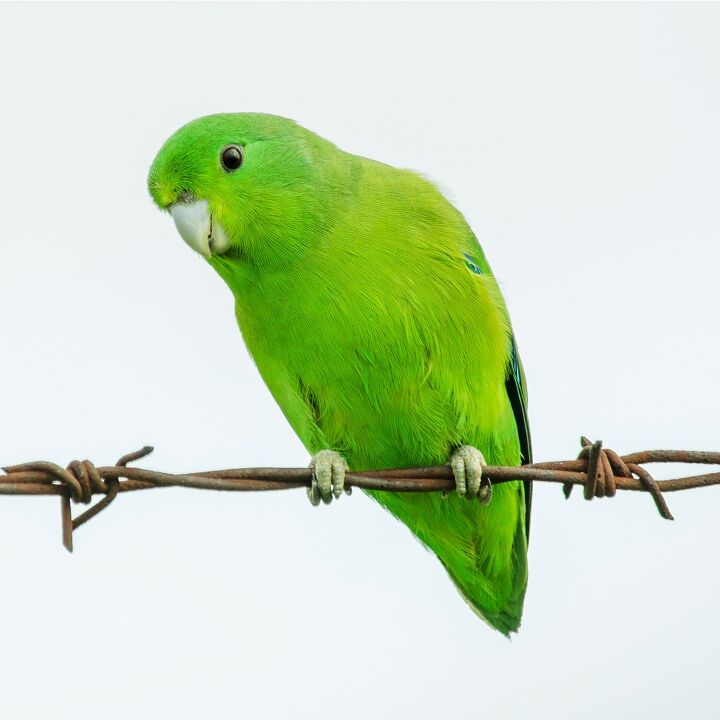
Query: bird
{"points": [[370, 310]]}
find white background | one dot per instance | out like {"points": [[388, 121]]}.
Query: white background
{"points": [[582, 143]]}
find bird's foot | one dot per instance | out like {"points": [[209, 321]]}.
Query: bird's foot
{"points": [[467, 464], [328, 481]]}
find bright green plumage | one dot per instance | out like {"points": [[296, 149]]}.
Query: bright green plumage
{"points": [[371, 312]]}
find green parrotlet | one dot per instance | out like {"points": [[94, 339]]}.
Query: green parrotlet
{"points": [[370, 310]]}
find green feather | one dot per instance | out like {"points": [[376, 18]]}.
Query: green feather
{"points": [[375, 334]]}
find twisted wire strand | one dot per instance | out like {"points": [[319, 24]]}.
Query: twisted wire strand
{"points": [[599, 470]]}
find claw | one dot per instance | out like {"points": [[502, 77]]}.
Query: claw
{"points": [[329, 468], [485, 492], [313, 492], [467, 463]]}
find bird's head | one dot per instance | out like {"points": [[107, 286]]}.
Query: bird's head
{"points": [[244, 186]]}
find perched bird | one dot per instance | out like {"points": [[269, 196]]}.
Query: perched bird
{"points": [[373, 316]]}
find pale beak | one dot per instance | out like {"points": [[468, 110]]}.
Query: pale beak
{"points": [[198, 229]]}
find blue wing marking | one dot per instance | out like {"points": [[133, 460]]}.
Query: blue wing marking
{"points": [[471, 265]]}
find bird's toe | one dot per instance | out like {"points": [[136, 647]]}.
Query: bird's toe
{"points": [[467, 464], [329, 468]]}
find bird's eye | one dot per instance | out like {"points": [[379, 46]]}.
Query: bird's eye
{"points": [[231, 158]]}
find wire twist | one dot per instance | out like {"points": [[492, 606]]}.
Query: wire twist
{"points": [[80, 480], [603, 465]]}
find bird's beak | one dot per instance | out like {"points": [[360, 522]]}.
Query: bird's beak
{"points": [[198, 229]]}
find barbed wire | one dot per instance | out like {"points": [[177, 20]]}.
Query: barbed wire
{"points": [[599, 470]]}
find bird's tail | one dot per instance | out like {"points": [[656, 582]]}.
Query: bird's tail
{"points": [[483, 548], [499, 602]]}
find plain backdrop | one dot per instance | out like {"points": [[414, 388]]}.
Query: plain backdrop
{"points": [[581, 141]]}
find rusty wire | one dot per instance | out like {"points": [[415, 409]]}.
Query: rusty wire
{"points": [[599, 470]]}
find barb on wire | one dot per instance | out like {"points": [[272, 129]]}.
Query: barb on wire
{"points": [[599, 470]]}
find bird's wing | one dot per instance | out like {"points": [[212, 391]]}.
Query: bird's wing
{"points": [[514, 384], [517, 392]]}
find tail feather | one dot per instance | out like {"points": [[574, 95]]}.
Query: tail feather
{"points": [[482, 601], [483, 549]]}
